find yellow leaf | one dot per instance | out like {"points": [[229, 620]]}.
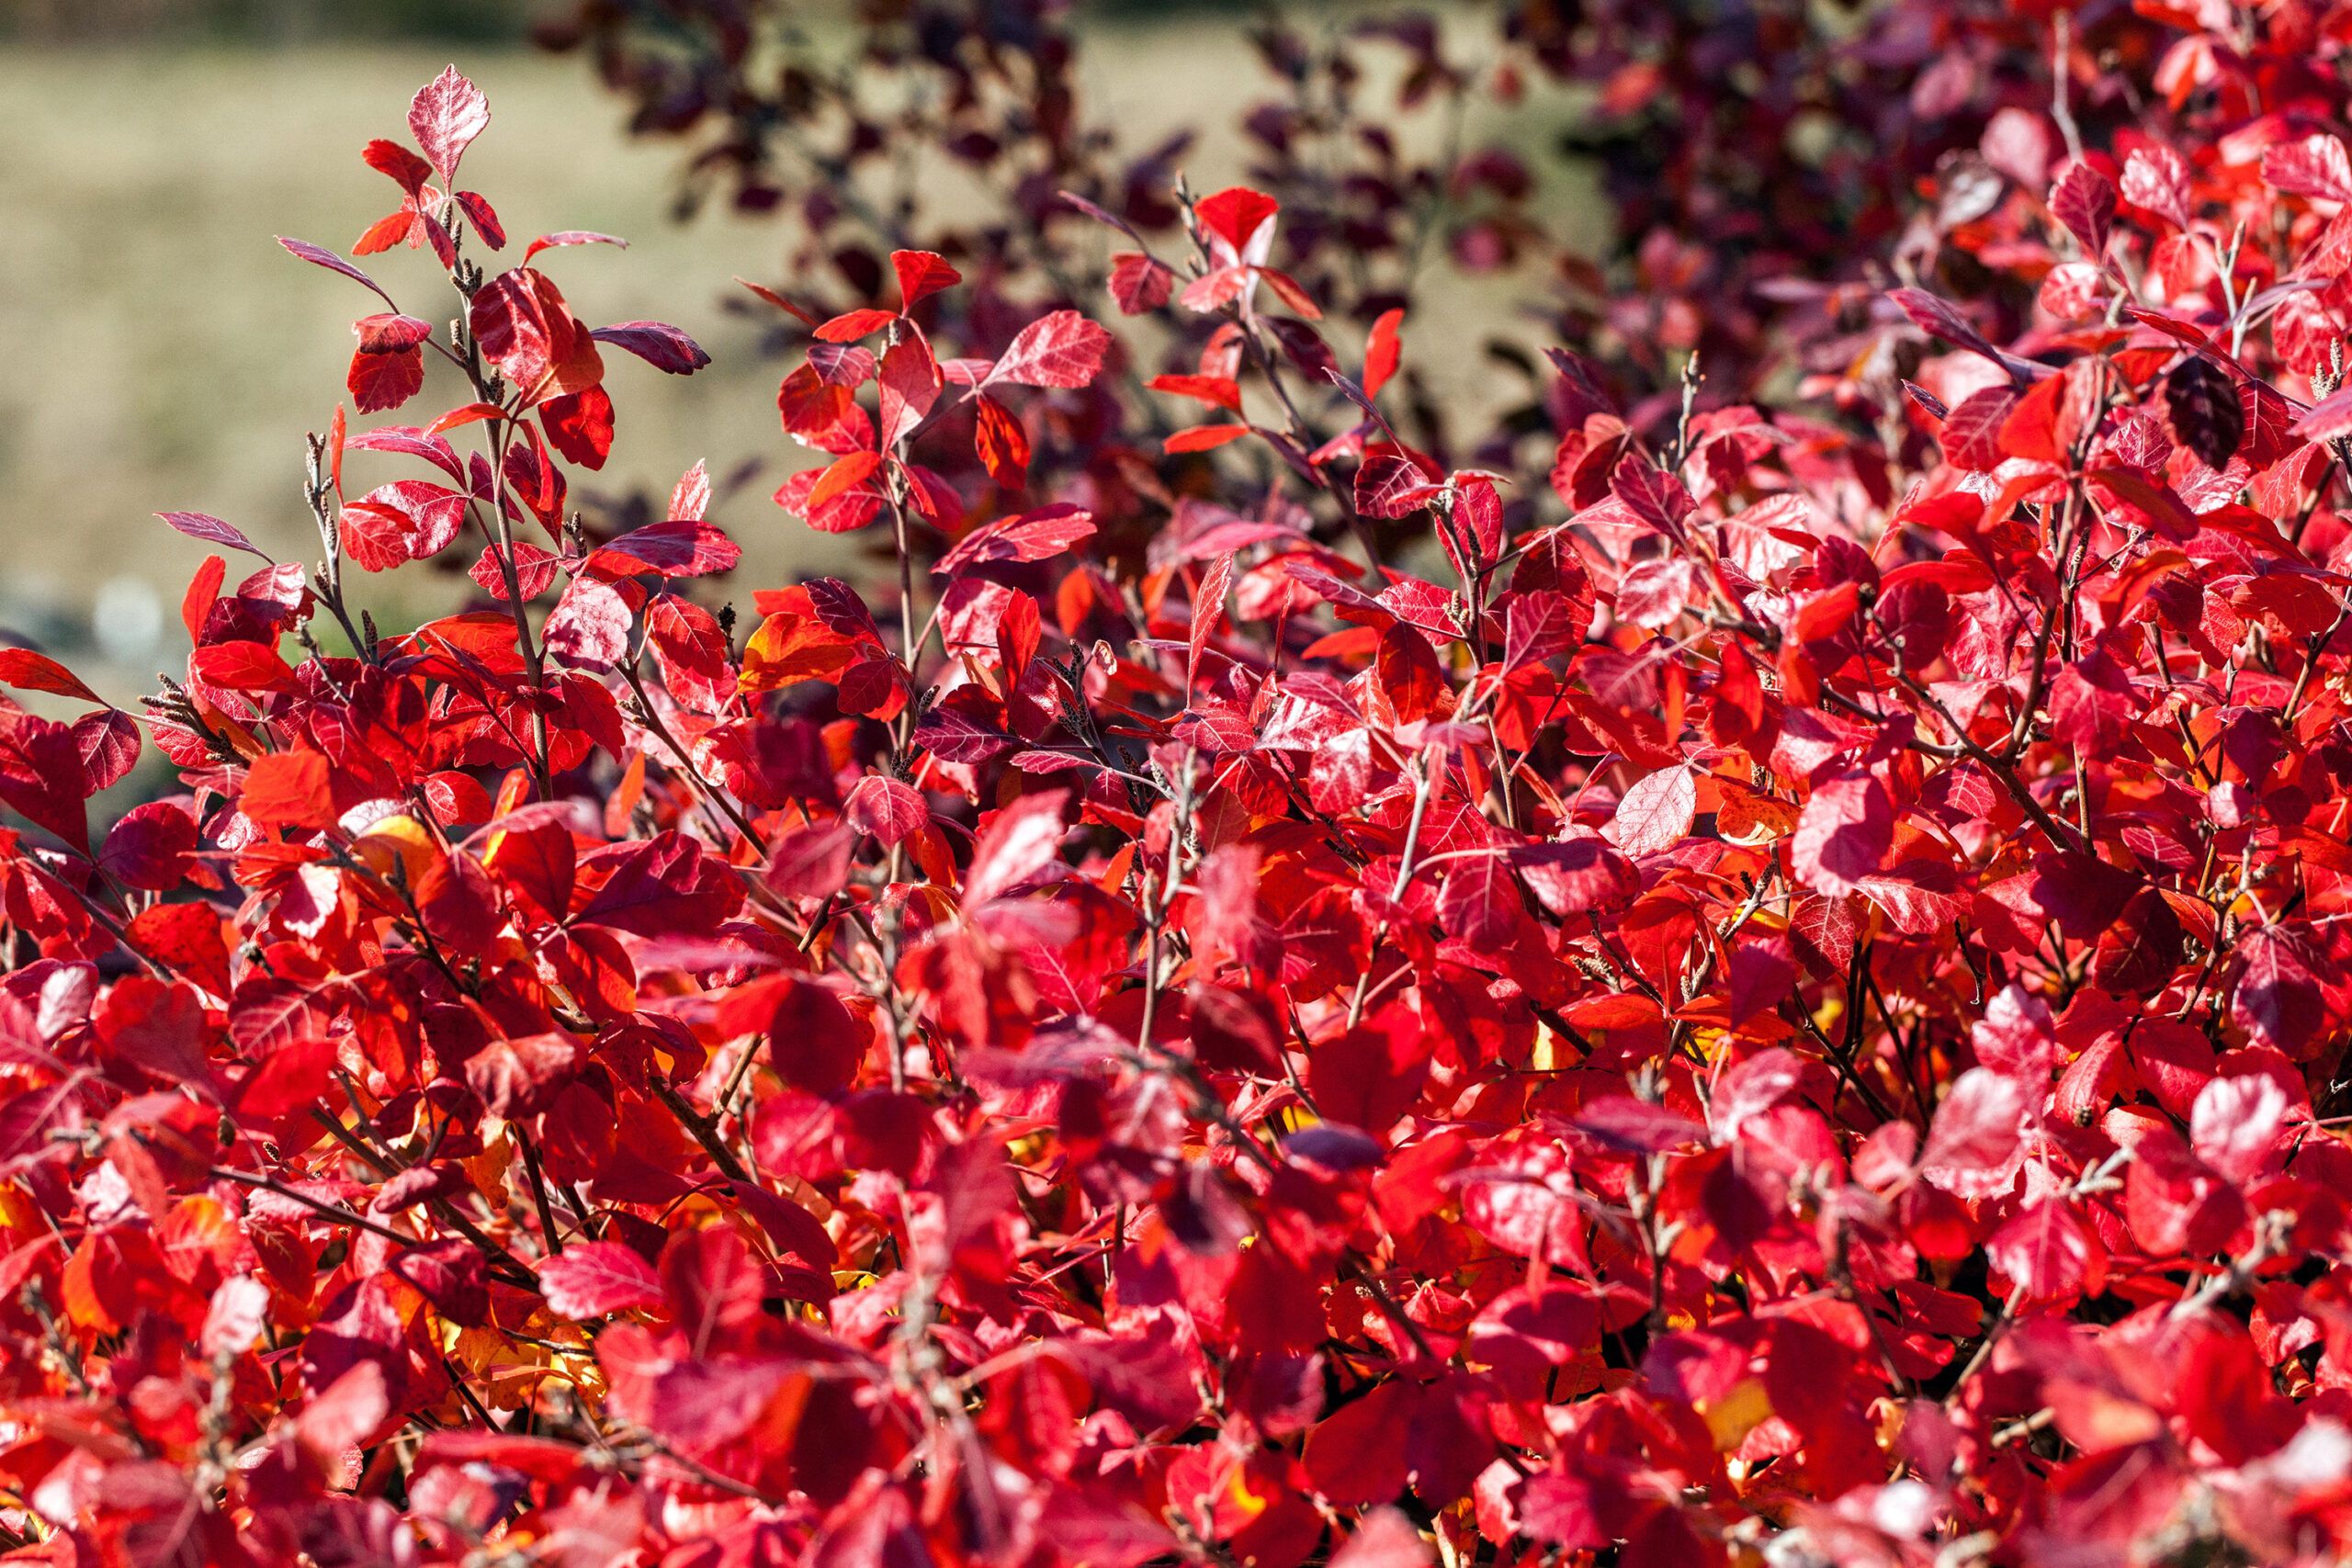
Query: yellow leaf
{"points": [[1737, 1413], [1748, 816], [397, 840], [788, 648]]}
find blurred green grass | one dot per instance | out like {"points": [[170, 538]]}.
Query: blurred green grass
{"points": [[164, 353]]}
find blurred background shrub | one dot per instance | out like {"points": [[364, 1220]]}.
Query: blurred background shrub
{"points": [[1643, 181], [168, 356], [275, 22]]}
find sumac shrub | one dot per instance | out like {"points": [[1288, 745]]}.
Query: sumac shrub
{"points": [[1717, 981]]}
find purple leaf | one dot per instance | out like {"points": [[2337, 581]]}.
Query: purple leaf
{"points": [[212, 531]]}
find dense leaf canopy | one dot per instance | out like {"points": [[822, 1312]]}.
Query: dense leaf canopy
{"points": [[1748, 967]]}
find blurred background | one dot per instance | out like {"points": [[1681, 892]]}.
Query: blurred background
{"points": [[165, 355]]}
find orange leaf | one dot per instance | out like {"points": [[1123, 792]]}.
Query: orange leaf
{"points": [[845, 476], [287, 789], [1201, 437]]}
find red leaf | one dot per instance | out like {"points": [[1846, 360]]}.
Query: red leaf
{"points": [[592, 1278], [235, 1318], [445, 116], [402, 227], [2049, 1254], [1656, 811], [845, 475], [42, 775], [149, 846], [108, 741], [1291, 293], [318, 255], [681, 548], [1651, 494], [579, 425], [390, 333], [212, 531], [1209, 604], [1938, 320], [2238, 1127], [456, 418], [2156, 178], [779, 302], [815, 1044], [1843, 834], [185, 939], [1481, 904], [823, 414], [571, 237], [287, 789], [520, 1078], [1002, 442], [2083, 200], [1217, 391], [1382, 352], [1063, 349], [920, 275], [690, 497], [588, 626], [956, 736], [1357, 1454], [1971, 433], [885, 808], [380, 381], [812, 862], [534, 572], [484, 218], [1539, 625], [1139, 284], [1014, 845], [659, 343], [1393, 483], [2277, 999], [1031, 536], [524, 327], [2315, 166], [1233, 215], [691, 649], [659, 886], [31, 671], [910, 384], [1577, 873], [1204, 439], [240, 667], [852, 325], [2326, 420], [1972, 1147], [404, 167], [406, 519]]}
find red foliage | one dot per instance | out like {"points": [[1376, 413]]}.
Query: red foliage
{"points": [[1777, 998]]}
